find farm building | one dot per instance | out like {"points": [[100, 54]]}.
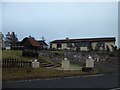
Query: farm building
{"points": [[106, 43]]}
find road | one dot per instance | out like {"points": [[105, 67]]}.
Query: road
{"points": [[108, 80]]}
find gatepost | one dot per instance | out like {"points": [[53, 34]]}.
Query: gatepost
{"points": [[66, 64], [35, 64], [89, 64]]}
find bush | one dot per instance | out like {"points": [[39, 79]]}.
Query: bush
{"points": [[29, 53]]}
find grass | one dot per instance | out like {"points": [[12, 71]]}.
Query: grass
{"points": [[74, 65], [21, 73], [17, 54], [45, 59], [61, 52]]}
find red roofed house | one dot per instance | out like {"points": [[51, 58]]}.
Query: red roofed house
{"points": [[31, 47], [30, 43]]}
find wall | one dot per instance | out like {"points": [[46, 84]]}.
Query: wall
{"points": [[64, 46], [94, 45], [54, 46]]}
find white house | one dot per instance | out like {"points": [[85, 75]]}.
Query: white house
{"points": [[106, 43]]}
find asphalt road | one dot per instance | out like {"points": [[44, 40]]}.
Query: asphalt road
{"points": [[108, 80]]}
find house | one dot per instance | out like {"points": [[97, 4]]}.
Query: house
{"points": [[30, 43], [43, 44], [86, 44], [18, 46], [31, 47]]}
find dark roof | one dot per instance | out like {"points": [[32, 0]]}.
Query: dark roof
{"points": [[30, 42], [106, 39], [42, 42], [34, 42]]}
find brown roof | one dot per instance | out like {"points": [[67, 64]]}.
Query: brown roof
{"points": [[34, 42], [30, 42], [85, 40]]}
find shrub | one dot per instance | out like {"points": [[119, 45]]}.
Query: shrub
{"points": [[26, 53]]}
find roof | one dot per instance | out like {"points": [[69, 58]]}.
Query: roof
{"points": [[34, 42], [42, 42], [105, 39], [30, 42]]}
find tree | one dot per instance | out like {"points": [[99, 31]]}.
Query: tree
{"points": [[2, 45], [11, 39], [8, 39], [14, 38]]}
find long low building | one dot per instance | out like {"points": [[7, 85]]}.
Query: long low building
{"points": [[86, 44]]}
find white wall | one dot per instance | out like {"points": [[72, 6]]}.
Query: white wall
{"points": [[94, 45], [64, 46], [54, 46]]}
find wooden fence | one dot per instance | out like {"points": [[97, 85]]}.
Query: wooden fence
{"points": [[15, 63]]}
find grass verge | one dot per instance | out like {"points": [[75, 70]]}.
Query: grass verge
{"points": [[9, 74]]}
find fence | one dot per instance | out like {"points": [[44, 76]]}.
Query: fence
{"points": [[15, 63]]}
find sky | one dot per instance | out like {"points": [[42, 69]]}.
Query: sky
{"points": [[58, 20]]}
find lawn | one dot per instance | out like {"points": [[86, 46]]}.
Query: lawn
{"points": [[17, 54]]}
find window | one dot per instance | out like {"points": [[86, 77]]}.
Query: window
{"points": [[59, 45]]}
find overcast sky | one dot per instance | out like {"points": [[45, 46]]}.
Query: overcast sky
{"points": [[60, 20]]}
